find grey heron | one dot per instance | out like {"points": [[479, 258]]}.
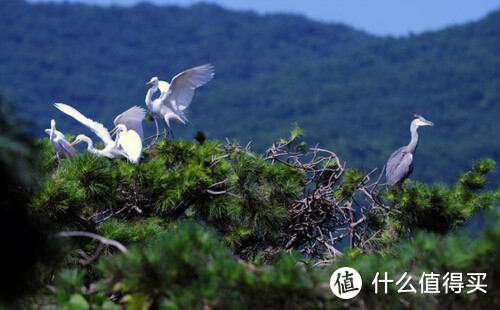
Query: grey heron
{"points": [[400, 164]]}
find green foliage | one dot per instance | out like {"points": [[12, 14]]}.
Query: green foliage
{"points": [[295, 134], [137, 232], [237, 191], [94, 174], [83, 183], [232, 188], [191, 171], [440, 208], [189, 268], [352, 180], [204, 225], [475, 178], [263, 191], [140, 185], [456, 252], [68, 293], [57, 197], [69, 281]]}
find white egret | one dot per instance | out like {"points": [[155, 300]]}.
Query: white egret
{"points": [[59, 142], [129, 140], [110, 151], [176, 97], [129, 123]]}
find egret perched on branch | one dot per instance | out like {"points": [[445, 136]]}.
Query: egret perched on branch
{"points": [[59, 142], [176, 97], [400, 164], [129, 123], [128, 142]]}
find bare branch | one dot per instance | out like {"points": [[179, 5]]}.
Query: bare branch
{"points": [[101, 239]]}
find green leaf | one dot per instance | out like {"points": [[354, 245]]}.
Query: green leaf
{"points": [[77, 302]]}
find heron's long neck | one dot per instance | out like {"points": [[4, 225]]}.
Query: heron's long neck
{"points": [[90, 145], [149, 95], [118, 136], [412, 146]]}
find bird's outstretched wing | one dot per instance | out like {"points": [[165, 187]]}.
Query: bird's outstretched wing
{"points": [[97, 128], [399, 166], [181, 90], [132, 119], [163, 87]]}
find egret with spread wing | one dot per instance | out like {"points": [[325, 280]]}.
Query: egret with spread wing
{"points": [[400, 164], [131, 137], [130, 125], [59, 142], [176, 97]]}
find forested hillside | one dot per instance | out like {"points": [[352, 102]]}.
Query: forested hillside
{"points": [[351, 92]]}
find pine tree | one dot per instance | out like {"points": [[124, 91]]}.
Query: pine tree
{"points": [[214, 225]]}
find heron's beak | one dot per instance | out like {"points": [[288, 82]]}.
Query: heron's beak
{"points": [[74, 142], [113, 132], [54, 127], [429, 123], [150, 82]]}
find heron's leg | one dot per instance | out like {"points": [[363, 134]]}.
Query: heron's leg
{"points": [[166, 129], [157, 131], [58, 157], [157, 127], [171, 133]]}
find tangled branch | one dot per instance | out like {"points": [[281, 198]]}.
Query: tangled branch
{"points": [[332, 210]]}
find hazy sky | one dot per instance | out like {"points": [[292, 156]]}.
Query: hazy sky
{"points": [[382, 17]]}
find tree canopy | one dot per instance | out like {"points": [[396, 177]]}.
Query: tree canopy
{"points": [[213, 224]]}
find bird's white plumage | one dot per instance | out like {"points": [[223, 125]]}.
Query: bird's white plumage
{"points": [[132, 119], [176, 97], [128, 137], [181, 89], [130, 142], [97, 128], [59, 142], [130, 133], [110, 151]]}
